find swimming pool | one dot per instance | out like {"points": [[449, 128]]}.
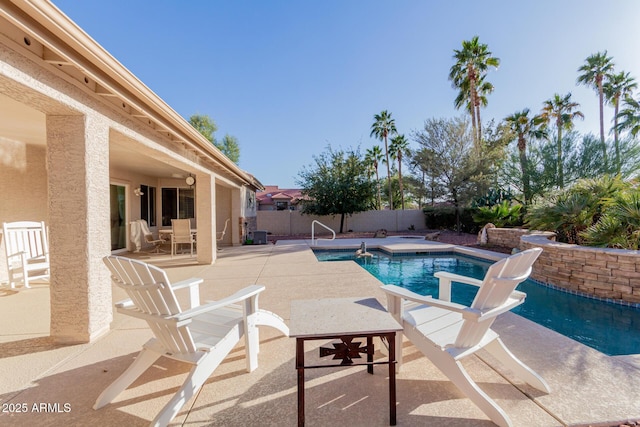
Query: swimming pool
{"points": [[610, 328]]}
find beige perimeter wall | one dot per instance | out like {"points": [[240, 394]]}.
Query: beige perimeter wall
{"points": [[292, 222]]}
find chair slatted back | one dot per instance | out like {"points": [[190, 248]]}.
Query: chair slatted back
{"points": [[150, 291], [501, 280], [181, 229], [29, 237]]}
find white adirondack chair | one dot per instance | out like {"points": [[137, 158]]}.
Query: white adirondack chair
{"points": [[27, 249], [202, 335], [446, 332]]}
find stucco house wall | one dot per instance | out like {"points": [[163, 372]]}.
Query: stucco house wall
{"points": [[76, 120]]}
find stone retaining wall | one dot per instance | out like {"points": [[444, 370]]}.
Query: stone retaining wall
{"points": [[601, 272], [505, 237]]}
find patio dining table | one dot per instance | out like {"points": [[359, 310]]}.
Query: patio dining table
{"points": [[167, 232]]}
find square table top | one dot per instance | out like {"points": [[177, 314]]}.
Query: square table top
{"points": [[339, 316]]}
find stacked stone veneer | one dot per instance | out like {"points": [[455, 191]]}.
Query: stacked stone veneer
{"points": [[505, 237], [601, 272]]}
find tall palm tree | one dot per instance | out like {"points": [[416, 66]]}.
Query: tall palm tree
{"points": [[399, 147], [561, 108], [596, 67], [383, 127], [617, 87], [483, 89], [629, 117], [525, 127], [471, 66], [373, 157]]}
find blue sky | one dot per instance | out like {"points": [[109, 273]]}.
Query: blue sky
{"points": [[289, 78]]}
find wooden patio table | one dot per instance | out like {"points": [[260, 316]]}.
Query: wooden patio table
{"points": [[344, 319]]}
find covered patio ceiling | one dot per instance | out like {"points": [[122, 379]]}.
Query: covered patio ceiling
{"points": [[20, 122]]}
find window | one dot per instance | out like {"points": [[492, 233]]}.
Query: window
{"points": [[282, 206], [177, 203], [148, 204]]}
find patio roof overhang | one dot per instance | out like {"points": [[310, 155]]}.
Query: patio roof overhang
{"points": [[46, 32]]}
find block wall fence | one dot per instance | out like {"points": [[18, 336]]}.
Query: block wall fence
{"points": [[600, 272], [288, 223]]}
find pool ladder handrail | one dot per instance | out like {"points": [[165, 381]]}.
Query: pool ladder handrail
{"points": [[314, 241]]}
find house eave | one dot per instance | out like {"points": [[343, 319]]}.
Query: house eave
{"points": [[65, 45]]}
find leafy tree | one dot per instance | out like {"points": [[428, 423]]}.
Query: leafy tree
{"points": [[205, 125], [458, 168], [383, 127], [373, 157], [617, 87], [525, 127], [541, 169], [594, 71], [336, 185], [229, 146], [561, 108], [424, 162], [399, 147], [471, 65]]}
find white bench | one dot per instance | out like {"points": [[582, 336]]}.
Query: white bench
{"points": [[27, 251]]}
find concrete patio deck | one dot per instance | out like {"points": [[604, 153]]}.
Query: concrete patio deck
{"points": [[44, 384]]}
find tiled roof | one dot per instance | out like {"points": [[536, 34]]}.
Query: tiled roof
{"points": [[272, 192]]}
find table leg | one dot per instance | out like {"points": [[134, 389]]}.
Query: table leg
{"points": [[300, 368], [392, 378], [370, 354]]}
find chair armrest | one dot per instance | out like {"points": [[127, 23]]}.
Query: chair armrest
{"points": [[187, 283], [194, 289], [446, 279], [457, 278], [125, 303], [17, 255], [513, 301], [408, 295], [241, 295]]}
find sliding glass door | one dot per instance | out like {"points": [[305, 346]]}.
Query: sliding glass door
{"points": [[118, 199]]}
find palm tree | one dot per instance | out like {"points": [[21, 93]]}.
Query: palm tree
{"points": [[561, 108], [618, 86], [383, 127], [482, 90], [373, 157], [469, 70], [525, 127], [399, 147], [629, 117], [595, 69]]}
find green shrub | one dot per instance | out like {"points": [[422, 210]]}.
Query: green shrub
{"points": [[444, 218], [597, 212], [500, 215]]}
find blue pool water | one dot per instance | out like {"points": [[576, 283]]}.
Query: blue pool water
{"points": [[610, 328]]}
